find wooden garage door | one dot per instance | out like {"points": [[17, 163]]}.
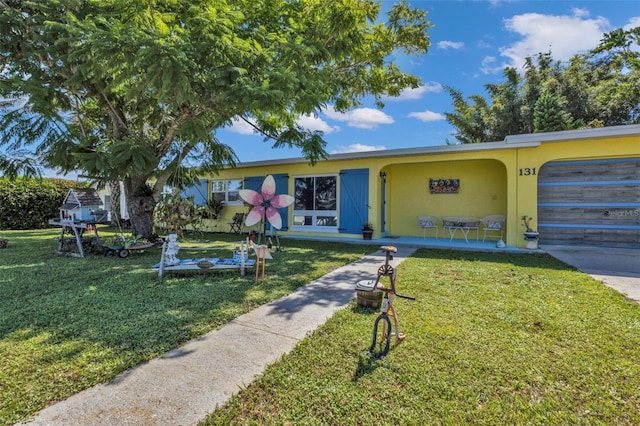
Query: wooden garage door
{"points": [[590, 203]]}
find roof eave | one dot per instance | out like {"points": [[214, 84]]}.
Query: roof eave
{"points": [[530, 140], [401, 152], [567, 135]]}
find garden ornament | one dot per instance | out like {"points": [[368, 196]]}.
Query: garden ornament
{"points": [[172, 250], [262, 254], [265, 203]]}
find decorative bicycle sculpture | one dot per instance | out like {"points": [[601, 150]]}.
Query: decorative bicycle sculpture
{"points": [[383, 328]]}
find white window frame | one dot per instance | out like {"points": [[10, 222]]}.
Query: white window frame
{"points": [[226, 191], [315, 214]]}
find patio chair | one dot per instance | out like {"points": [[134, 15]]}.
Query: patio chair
{"points": [[237, 223], [493, 224], [428, 222]]}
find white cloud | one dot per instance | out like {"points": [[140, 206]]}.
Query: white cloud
{"points": [[490, 65], [361, 118], [580, 12], [563, 35], [315, 123], [241, 127], [413, 94], [633, 22], [309, 122], [447, 44], [357, 147], [427, 116]]}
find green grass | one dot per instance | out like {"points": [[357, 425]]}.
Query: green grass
{"points": [[492, 339], [67, 324]]}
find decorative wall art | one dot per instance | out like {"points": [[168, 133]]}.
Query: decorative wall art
{"points": [[444, 186]]}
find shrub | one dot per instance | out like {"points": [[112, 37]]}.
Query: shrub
{"points": [[30, 203], [175, 213]]}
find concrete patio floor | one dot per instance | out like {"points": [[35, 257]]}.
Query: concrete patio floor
{"points": [[410, 241]]}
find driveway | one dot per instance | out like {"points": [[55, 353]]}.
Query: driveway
{"points": [[616, 268]]}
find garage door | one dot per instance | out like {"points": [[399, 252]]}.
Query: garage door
{"points": [[590, 203]]}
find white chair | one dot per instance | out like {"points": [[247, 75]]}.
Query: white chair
{"points": [[428, 222], [493, 224]]}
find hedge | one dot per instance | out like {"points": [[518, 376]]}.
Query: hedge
{"points": [[30, 203]]}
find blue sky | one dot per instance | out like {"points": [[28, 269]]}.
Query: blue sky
{"points": [[471, 43]]}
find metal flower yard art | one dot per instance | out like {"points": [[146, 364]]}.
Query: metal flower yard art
{"points": [[265, 206], [265, 203]]}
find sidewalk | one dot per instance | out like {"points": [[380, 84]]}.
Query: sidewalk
{"points": [[185, 384]]}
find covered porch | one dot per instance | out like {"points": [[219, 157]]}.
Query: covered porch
{"points": [[420, 242]]}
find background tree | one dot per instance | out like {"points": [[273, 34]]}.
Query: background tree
{"points": [[134, 91], [469, 118], [615, 66], [550, 114], [603, 87]]}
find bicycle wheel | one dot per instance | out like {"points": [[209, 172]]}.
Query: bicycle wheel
{"points": [[381, 336]]}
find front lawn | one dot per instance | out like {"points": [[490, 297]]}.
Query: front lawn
{"points": [[493, 339], [67, 324]]}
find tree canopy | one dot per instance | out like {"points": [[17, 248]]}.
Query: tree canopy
{"points": [[598, 88], [132, 91], [19, 163]]}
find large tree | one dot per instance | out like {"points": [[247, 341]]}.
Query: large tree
{"points": [[134, 90]]}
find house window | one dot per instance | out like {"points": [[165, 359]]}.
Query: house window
{"points": [[227, 191], [315, 207]]}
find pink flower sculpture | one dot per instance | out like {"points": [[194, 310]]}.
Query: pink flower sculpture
{"points": [[265, 203]]}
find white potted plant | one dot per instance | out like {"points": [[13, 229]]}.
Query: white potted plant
{"points": [[531, 236]]}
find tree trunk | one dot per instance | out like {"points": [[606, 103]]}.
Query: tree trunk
{"points": [[114, 193], [140, 205]]}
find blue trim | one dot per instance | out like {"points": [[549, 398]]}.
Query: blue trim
{"points": [[579, 205], [199, 191], [588, 226], [253, 182], [591, 162], [591, 183], [354, 200]]}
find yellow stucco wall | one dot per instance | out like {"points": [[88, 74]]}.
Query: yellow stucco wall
{"points": [[495, 178], [483, 191]]}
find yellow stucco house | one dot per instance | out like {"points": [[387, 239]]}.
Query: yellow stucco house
{"points": [[578, 187]]}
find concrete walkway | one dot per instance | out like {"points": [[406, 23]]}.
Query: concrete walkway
{"points": [[185, 384]]}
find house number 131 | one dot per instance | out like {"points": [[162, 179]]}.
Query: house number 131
{"points": [[527, 171]]}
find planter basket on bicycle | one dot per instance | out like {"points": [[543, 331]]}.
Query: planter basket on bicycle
{"points": [[383, 328]]}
